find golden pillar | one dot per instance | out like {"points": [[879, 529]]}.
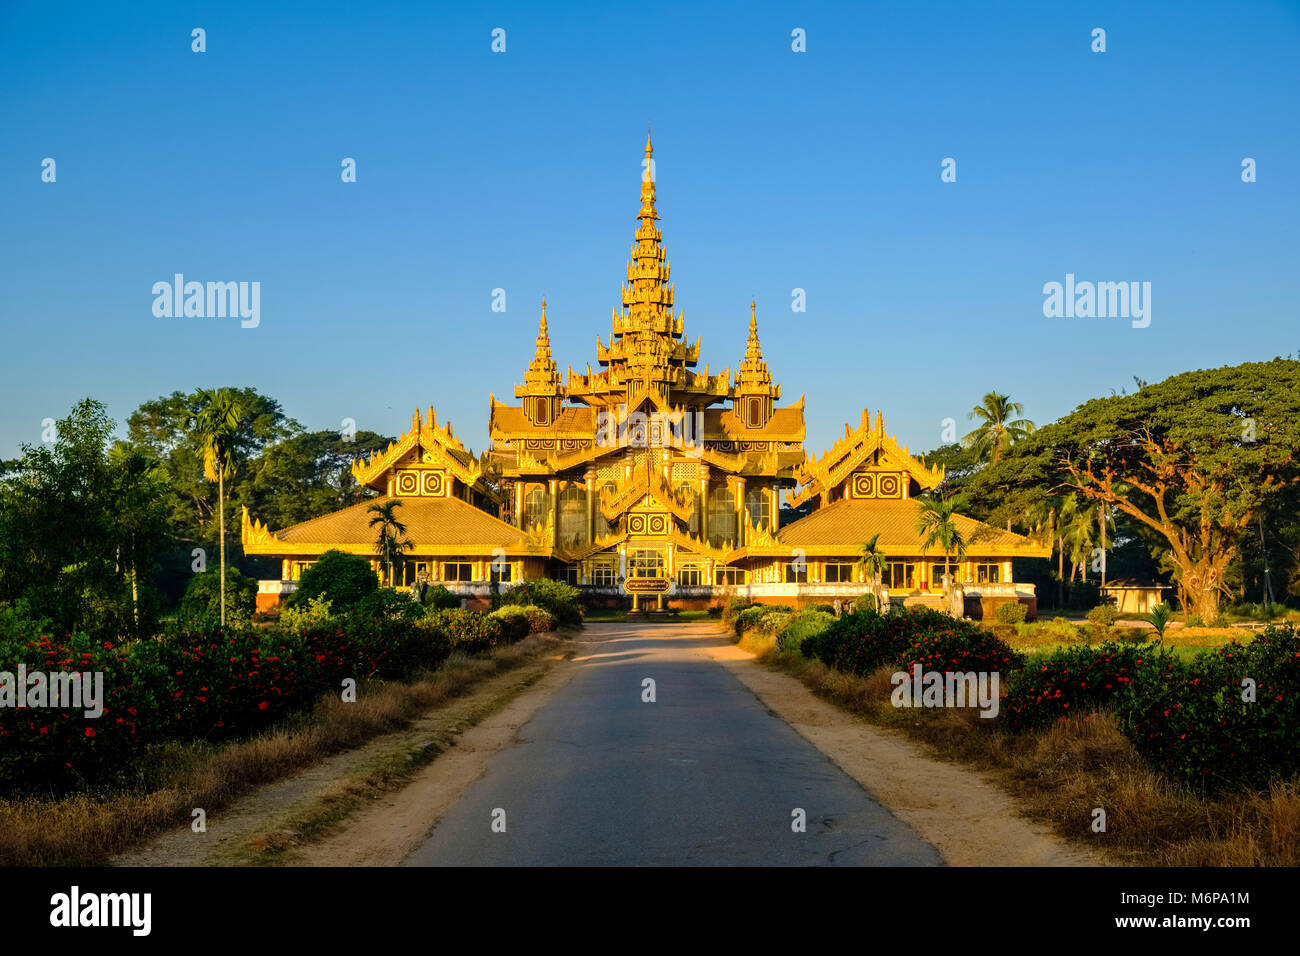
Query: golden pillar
{"points": [[704, 502], [740, 512], [591, 505], [554, 486]]}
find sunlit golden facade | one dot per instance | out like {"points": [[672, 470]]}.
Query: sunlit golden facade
{"points": [[651, 478]]}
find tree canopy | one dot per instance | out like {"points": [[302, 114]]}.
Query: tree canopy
{"points": [[1192, 460]]}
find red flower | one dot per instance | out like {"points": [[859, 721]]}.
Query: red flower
{"points": [[90, 731], [263, 706]]}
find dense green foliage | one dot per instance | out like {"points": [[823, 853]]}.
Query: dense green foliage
{"points": [[81, 527], [1225, 717], [1013, 612], [195, 680], [439, 598], [1068, 682], [202, 598], [342, 579], [1193, 463], [558, 597]]}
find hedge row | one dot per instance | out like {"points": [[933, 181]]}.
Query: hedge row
{"points": [[1224, 718], [198, 680]]}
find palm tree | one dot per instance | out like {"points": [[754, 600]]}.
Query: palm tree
{"points": [[873, 561], [998, 430], [1078, 534], [937, 522], [1044, 516], [391, 533], [216, 421]]}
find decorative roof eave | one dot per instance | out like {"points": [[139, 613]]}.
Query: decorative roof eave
{"points": [[600, 544], [306, 549], [837, 463], [428, 435]]}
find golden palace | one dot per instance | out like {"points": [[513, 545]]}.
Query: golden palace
{"points": [[650, 478]]}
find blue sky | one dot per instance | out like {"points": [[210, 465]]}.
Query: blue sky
{"points": [[776, 170]]}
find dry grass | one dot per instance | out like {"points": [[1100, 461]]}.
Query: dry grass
{"points": [[1062, 773], [89, 828]]}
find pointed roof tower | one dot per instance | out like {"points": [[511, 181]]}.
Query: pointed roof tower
{"points": [[541, 389], [754, 393], [647, 357]]}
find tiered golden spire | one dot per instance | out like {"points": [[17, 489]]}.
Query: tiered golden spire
{"points": [[542, 377], [753, 377]]}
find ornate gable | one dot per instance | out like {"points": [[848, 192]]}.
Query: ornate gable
{"points": [[866, 463], [429, 460]]}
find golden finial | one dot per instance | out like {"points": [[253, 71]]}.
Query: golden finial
{"points": [[649, 150]]}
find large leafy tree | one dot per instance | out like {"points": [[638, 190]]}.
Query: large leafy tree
{"points": [[306, 475], [163, 426], [81, 525], [1191, 460]]}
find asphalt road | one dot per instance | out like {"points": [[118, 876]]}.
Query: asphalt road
{"points": [[705, 775]]}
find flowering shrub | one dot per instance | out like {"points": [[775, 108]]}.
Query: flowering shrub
{"points": [[61, 746], [958, 649], [747, 618], [1103, 614], [1012, 612], [468, 631], [1198, 721], [801, 626], [221, 682], [315, 611], [514, 622], [773, 621], [199, 680], [734, 607], [557, 597], [540, 620], [1071, 681]]}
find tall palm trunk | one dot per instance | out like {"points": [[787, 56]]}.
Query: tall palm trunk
{"points": [[1101, 519], [1060, 571], [221, 524]]}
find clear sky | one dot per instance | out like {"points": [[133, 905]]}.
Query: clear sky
{"points": [[520, 170]]}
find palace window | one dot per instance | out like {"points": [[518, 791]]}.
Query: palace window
{"points": [[572, 574], [987, 573], [499, 571], [722, 517], [457, 571], [689, 575], [535, 508], [604, 575], [796, 572], [939, 569], [645, 563], [726, 576], [759, 504], [573, 515], [838, 573], [899, 575]]}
